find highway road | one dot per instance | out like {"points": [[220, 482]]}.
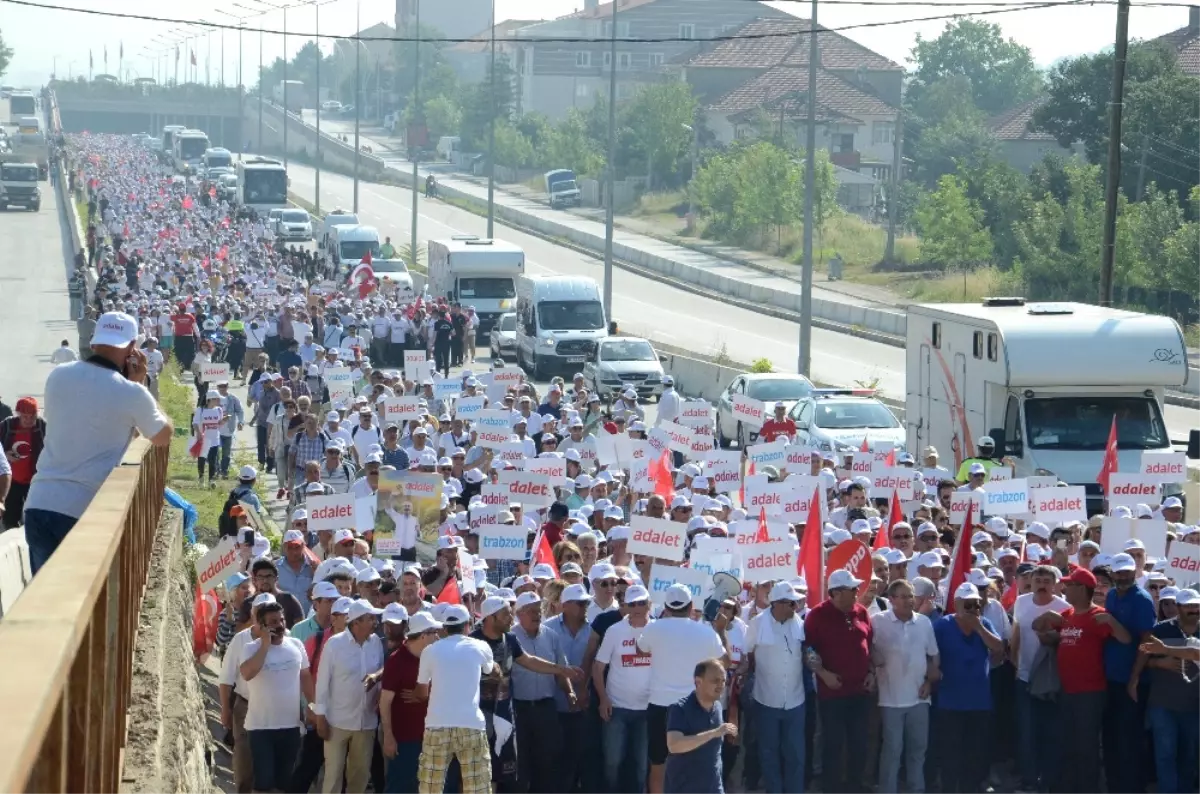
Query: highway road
{"points": [[643, 306], [34, 268]]}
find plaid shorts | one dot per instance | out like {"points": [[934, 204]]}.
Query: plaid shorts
{"points": [[439, 745]]}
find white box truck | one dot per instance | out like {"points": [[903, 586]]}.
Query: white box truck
{"points": [[477, 272], [1044, 380]]}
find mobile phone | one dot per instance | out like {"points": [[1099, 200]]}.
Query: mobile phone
{"points": [[248, 537], [1060, 544]]}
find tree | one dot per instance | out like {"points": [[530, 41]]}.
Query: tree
{"points": [[657, 116], [951, 227], [1003, 196], [513, 149], [481, 104], [958, 142], [1000, 72], [443, 116], [568, 146], [748, 190], [825, 190], [6, 55]]}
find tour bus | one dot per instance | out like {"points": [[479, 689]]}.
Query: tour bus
{"points": [[262, 184]]}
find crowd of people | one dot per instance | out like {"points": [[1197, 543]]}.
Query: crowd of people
{"points": [[988, 654]]}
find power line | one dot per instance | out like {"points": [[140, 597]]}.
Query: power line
{"points": [[1171, 145], [1186, 166], [999, 7]]}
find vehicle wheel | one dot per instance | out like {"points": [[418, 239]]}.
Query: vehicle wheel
{"points": [[741, 436], [722, 442], [539, 373]]}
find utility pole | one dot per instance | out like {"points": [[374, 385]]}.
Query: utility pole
{"points": [[1113, 184], [317, 102], [419, 118], [358, 45], [261, 97], [804, 364], [1141, 183], [286, 92], [611, 167], [893, 209], [491, 215]]}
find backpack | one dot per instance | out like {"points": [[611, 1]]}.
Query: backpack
{"points": [[227, 524]]}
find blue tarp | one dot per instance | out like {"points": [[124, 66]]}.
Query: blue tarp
{"points": [[190, 515]]}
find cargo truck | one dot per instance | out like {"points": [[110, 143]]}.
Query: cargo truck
{"points": [[477, 272]]}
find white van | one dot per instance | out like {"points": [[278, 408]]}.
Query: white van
{"points": [[334, 219], [559, 321], [1044, 380], [351, 243]]}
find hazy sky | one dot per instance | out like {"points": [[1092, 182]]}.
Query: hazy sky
{"points": [[39, 36]]}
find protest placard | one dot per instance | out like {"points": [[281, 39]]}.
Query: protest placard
{"points": [[798, 500], [695, 413], [340, 382], [416, 367], [531, 490], [1134, 489], [999, 473], [511, 452], [772, 453], [775, 559], [1170, 467], [798, 459], [657, 537], [1005, 497], [679, 437], [723, 468], [494, 494], [749, 411], [330, 512], [553, 467], [1152, 532], [1054, 505], [468, 407], [493, 427], [446, 388], [503, 379], [503, 542], [1183, 565], [606, 447], [886, 480], [402, 409], [213, 372], [218, 565], [960, 501], [663, 576]]}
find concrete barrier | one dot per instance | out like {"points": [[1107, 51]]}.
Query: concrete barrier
{"points": [[14, 568], [302, 141]]}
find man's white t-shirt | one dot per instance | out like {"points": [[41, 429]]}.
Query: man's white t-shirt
{"points": [[91, 411], [676, 646], [275, 691], [364, 437], [1024, 613], [452, 667], [628, 682]]}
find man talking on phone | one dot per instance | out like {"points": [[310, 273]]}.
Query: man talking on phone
{"points": [[92, 409]]}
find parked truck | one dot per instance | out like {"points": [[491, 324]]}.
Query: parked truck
{"points": [[562, 189], [19, 183], [1044, 381], [477, 272]]}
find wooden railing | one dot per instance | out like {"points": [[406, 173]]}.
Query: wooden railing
{"points": [[66, 647]]}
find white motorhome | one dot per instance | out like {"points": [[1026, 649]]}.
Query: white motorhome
{"points": [[1044, 380], [262, 184], [559, 321], [187, 150], [477, 272], [350, 244]]}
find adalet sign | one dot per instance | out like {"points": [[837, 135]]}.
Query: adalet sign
{"points": [[218, 565], [330, 512], [657, 537]]}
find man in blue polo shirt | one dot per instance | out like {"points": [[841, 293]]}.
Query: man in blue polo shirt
{"points": [[1124, 717], [695, 732]]}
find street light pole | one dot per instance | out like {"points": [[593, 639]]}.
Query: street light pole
{"points": [[610, 177], [420, 120], [358, 45], [317, 102], [491, 204], [285, 91], [804, 360]]}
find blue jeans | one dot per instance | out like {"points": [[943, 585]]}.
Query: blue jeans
{"points": [[1036, 721], [402, 770], [274, 752], [781, 748], [625, 747], [226, 454], [905, 736], [1176, 738], [44, 530]]}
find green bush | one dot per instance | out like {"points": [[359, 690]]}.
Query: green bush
{"points": [[762, 365]]}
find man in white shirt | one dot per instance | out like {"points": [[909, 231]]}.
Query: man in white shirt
{"points": [[773, 647], [63, 354], [276, 671], [448, 677], [624, 693], [347, 695], [235, 692], [676, 644], [905, 656]]}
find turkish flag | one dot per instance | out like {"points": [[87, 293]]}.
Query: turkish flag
{"points": [[542, 553], [196, 445], [1110, 457], [763, 535], [205, 610], [961, 558], [223, 253], [811, 562], [742, 490], [187, 202], [895, 516], [660, 475], [366, 260]]}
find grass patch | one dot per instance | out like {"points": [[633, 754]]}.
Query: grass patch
{"points": [[178, 400], [957, 288], [1191, 335]]}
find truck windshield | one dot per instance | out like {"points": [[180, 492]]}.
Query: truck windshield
{"points": [[627, 351], [357, 249], [484, 287], [389, 266], [265, 187], [1083, 423], [22, 105], [570, 315], [18, 173], [191, 148]]}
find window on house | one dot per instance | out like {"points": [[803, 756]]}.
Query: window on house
{"points": [[742, 133], [687, 30], [607, 59], [582, 91], [624, 60], [843, 142], [883, 132], [657, 59], [622, 30], [583, 59]]}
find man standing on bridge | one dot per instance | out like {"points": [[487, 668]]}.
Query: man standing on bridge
{"points": [[92, 409]]}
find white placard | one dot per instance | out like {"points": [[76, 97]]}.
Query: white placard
{"points": [[931, 478], [679, 437], [364, 514], [773, 453], [340, 382], [218, 565], [446, 388], [502, 380], [799, 500], [1152, 532], [606, 447], [1183, 565], [531, 490], [886, 480], [999, 474], [1041, 481], [553, 467], [695, 413], [798, 459], [960, 501], [484, 516], [402, 409], [494, 494], [469, 407], [331, 512], [1170, 467], [1059, 505], [657, 537], [773, 560], [762, 495], [709, 561], [663, 576], [1005, 497], [1133, 489], [723, 468], [493, 428], [416, 368], [749, 411], [863, 465], [503, 542], [658, 440], [513, 453], [214, 372]]}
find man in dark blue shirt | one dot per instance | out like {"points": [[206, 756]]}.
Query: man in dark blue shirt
{"points": [[1124, 717], [695, 731]]}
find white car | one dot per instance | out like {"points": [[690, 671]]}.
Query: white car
{"points": [[504, 337], [331, 105], [294, 225], [393, 276], [838, 420], [617, 362], [767, 387]]}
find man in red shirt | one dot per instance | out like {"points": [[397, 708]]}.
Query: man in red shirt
{"points": [[1082, 630], [553, 528], [838, 635], [184, 325], [778, 426], [400, 709], [21, 439]]}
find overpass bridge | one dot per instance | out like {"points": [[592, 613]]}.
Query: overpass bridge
{"points": [[126, 109]]}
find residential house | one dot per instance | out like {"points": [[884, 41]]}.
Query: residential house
{"points": [[1022, 147], [471, 59], [377, 45], [762, 73], [1185, 42], [556, 76], [454, 19]]}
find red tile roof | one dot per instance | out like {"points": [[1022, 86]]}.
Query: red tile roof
{"points": [[1186, 43], [764, 43], [1013, 125], [834, 94]]}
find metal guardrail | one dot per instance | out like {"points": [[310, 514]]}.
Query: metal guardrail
{"points": [[66, 647]]}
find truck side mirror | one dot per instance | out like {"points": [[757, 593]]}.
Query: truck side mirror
{"points": [[997, 434], [612, 328], [1193, 445]]}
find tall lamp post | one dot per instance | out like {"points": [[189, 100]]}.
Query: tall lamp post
{"points": [[358, 45], [491, 204], [241, 86], [421, 117]]}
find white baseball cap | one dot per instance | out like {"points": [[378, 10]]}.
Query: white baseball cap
{"points": [[395, 613], [455, 615], [783, 591], [360, 607], [677, 596], [1123, 562], [325, 590], [294, 536], [115, 329], [967, 592], [526, 599], [542, 571], [421, 623], [574, 592], [842, 579], [636, 593], [491, 605]]}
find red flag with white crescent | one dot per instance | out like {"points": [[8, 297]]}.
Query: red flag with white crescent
{"points": [[363, 277]]}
